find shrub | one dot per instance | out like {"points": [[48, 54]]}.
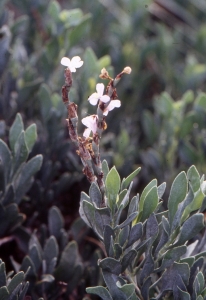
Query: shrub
{"points": [[146, 256]]}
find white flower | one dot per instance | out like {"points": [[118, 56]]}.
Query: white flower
{"points": [[72, 64], [91, 123], [111, 106], [95, 97]]}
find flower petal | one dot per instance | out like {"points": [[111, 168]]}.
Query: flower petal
{"points": [[86, 121], [72, 68], [65, 61], [111, 106], [75, 59], [87, 132], [105, 98], [105, 113], [91, 122], [100, 89], [79, 64], [76, 62], [93, 99]]}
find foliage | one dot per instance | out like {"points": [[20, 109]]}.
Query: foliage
{"points": [[147, 251], [16, 174], [177, 138], [165, 56], [144, 252], [31, 77], [33, 37], [12, 288], [51, 259], [49, 256]]}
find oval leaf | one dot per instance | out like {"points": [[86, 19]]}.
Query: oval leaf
{"points": [[177, 194], [15, 130], [99, 291], [112, 187], [190, 228]]}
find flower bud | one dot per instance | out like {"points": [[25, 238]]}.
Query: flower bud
{"points": [[104, 74], [127, 70]]}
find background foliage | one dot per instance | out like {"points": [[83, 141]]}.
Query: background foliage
{"points": [[160, 126]]}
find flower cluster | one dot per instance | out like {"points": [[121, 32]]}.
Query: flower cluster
{"points": [[88, 147], [98, 96], [104, 101], [91, 121]]}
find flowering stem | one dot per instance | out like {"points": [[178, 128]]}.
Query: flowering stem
{"points": [[101, 125], [97, 160], [72, 122], [88, 148], [98, 166]]}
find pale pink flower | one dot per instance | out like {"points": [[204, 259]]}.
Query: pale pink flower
{"points": [[95, 97], [72, 64], [111, 106], [91, 123]]}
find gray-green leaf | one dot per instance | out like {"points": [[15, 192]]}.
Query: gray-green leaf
{"points": [[190, 228], [112, 187], [126, 181], [177, 194], [105, 169], [56, 222], [145, 192], [95, 194], [5, 162], [24, 180], [15, 281], [150, 203], [15, 130], [31, 136], [99, 291]]}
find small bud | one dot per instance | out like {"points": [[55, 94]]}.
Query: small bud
{"points": [[127, 70], [104, 74]]}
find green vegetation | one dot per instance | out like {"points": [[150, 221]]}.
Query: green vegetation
{"points": [[126, 245]]}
